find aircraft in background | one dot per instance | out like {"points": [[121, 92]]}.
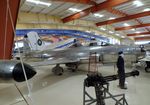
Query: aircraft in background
{"points": [[69, 56], [72, 56], [145, 47], [32, 42], [145, 62]]}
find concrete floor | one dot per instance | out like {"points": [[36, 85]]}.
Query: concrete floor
{"points": [[48, 89]]}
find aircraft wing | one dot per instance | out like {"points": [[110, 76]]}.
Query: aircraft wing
{"points": [[59, 56], [53, 61], [75, 54]]}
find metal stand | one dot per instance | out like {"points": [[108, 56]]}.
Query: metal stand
{"points": [[101, 85], [102, 93]]}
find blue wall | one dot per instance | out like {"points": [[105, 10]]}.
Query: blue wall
{"points": [[59, 32]]}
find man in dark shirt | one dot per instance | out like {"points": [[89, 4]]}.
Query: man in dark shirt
{"points": [[121, 70]]}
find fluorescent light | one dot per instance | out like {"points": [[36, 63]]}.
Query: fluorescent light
{"points": [[88, 31], [123, 36], [118, 34], [126, 24], [103, 28], [111, 32], [133, 29], [138, 3], [137, 32], [111, 18], [74, 9], [146, 9], [37, 2], [98, 15]]}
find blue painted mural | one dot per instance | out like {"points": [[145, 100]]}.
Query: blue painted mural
{"points": [[60, 32]]}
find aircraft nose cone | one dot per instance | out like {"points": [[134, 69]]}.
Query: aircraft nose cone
{"points": [[18, 73]]}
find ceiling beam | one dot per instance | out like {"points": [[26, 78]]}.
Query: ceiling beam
{"points": [[141, 38], [90, 2], [131, 27], [125, 18], [137, 34], [117, 12], [95, 8], [141, 24]]}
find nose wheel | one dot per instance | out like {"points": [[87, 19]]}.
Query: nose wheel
{"points": [[57, 70]]}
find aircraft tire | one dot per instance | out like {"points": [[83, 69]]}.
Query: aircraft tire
{"points": [[58, 70], [147, 69]]}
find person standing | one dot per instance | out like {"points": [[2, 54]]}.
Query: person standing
{"points": [[121, 70]]}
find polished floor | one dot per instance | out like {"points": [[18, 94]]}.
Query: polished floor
{"points": [[48, 89]]}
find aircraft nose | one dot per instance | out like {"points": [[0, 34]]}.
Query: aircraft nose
{"points": [[18, 73]]}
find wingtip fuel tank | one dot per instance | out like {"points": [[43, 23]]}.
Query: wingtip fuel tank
{"points": [[11, 70]]}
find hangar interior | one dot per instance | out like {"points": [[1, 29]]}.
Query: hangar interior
{"points": [[49, 48]]}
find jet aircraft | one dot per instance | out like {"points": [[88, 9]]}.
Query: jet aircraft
{"points": [[146, 62], [71, 56]]}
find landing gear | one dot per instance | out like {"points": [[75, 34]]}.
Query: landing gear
{"points": [[57, 70], [72, 66], [147, 68]]}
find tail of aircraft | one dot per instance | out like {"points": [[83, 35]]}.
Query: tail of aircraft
{"points": [[35, 43]]}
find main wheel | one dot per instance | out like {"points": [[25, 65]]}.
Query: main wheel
{"points": [[57, 70], [147, 69]]}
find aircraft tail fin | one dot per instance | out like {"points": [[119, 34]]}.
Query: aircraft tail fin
{"points": [[34, 41]]}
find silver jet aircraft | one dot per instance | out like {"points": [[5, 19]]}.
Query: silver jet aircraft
{"points": [[72, 56]]}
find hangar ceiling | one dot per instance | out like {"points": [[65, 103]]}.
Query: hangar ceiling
{"points": [[129, 16]]}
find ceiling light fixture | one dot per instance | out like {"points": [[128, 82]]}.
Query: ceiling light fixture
{"points": [[111, 32], [126, 24], [137, 32], [88, 31], [118, 34], [138, 3], [122, 36], [133, 29], [111, 18], [98, 15], [146, 9], [37, 2], [103, 28], [74, 9]]}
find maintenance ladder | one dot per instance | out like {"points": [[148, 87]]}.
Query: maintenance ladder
{"points": [[101, 91], [93, 64]]}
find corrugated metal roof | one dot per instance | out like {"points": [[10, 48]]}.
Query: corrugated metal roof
{"points": [[145, 19], [106, 16], [61, 9], [130, 22], [140, 30], [130, 8]]}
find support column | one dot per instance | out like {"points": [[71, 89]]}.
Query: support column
{"points": [[7, 37]]}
